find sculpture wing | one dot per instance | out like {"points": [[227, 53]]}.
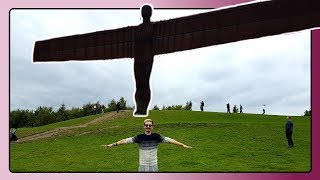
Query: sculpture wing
{"points": [[233, 24], [109, 44]]}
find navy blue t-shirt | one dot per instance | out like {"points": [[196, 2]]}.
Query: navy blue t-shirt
{"points": [[289, 126]]}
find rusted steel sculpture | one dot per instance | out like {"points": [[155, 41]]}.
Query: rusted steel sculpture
{"points": [[144, 41]]}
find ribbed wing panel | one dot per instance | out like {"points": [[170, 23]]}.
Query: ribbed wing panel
{"points": [[235, 24], [110, 44]]}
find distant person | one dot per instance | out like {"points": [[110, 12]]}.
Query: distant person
{"points": [[201, 105], [228, 108], [14, 137], [190, 106], [289, 130], [234, 109], [148, 146], [118, 106], [94, 110], [187, 105], [241, 108], [264, 109]]}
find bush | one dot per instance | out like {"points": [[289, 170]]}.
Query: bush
{"points": [[155, 107], [21, 118], [307, 113]]}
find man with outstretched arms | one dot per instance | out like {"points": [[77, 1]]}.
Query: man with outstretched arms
{"points": [[148, 146]]}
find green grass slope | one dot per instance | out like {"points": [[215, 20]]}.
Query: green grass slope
{"points": [[221, 143], [23, 132]]}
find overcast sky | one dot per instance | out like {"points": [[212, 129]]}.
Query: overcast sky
{"points": [[274, 71]]}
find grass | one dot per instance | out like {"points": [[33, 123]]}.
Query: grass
{"points": [[221, 143]]}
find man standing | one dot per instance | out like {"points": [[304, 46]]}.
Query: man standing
{"points": [[289, 130], [202, 105], [241, 108], [148, 146], [264, 109]]}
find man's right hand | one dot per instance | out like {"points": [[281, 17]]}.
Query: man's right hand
{"points": [[185, 146], [109, 145]]}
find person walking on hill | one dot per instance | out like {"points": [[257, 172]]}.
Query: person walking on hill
{"points": [[228, 108], [148, 146], [289, 131]]}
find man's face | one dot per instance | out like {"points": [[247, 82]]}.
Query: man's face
{"points": [[148, 126]]}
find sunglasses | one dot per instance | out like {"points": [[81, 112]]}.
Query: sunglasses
{"points": [[148, 125]]}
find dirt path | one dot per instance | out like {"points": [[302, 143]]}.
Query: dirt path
{"points": [[56, 131]]}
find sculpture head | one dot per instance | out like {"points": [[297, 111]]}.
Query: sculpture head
{"points": [[146, 12]]}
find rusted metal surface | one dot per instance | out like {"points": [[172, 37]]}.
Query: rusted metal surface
{"points": [[143, 62], [109, 44], [235, 24], [190, 32]]}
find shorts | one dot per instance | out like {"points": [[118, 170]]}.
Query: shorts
{"points": [[153, 168]]}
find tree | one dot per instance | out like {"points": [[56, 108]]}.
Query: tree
{"points": [[155, 107], [21, 118], [112, 105], [176, 107], [74, 113], [103, 108], [87, 109], [307, 113], [98, 107], [44, 115], [123, 103], [62, 113]]}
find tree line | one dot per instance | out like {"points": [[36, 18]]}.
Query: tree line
{"points": [[46, 115]]}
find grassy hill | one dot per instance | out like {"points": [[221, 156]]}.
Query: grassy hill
{"points": [[221, 143]]}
